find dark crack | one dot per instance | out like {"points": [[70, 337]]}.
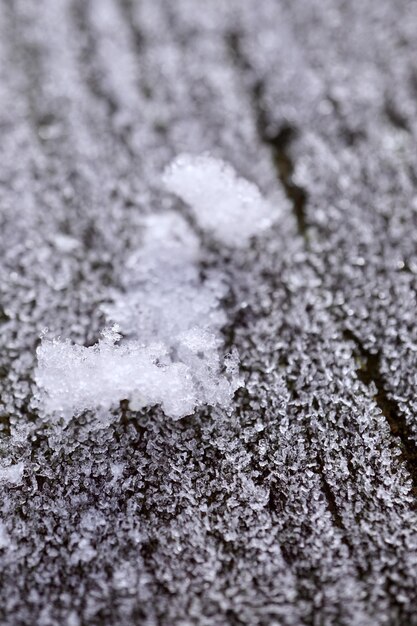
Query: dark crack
{"points": [[279, 142], [88, 54], [370, 372], [280, 145], [331, 503], [395, 117]]}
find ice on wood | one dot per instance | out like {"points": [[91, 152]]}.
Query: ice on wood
{"points": [[231, 208]]}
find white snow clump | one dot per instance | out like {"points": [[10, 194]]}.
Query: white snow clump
{"points": [[231, 208], [165, 345]]}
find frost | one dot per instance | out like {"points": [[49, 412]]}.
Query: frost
{"points": [[65, 244], [83, 553], [229, 207]]}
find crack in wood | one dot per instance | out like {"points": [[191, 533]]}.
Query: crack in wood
{"points": [[370, 372], [279, 142], [331, 503], [284, 164]]}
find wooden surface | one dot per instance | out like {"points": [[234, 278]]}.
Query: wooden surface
{"points": [[300, 506]]}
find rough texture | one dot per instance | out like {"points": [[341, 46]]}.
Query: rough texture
{"points": [[299, 507]]}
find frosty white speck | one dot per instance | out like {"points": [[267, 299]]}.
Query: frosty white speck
{"points": [[12, 474], [4, 537]]}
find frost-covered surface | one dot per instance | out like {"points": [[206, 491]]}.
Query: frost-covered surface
{"points": [[299, 505]]}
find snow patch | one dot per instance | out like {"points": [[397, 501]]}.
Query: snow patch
{"points": [[165, 346], [75, 378], [231, 208]]}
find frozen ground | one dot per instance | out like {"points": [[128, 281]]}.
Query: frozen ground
{"points": [[296, 504]]}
